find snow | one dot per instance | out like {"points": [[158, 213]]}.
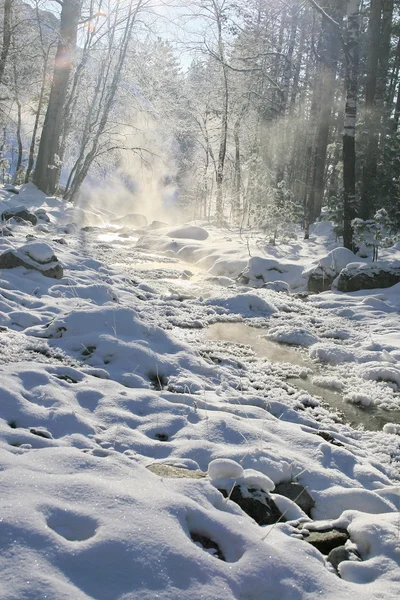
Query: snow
{"points": [[109, 370], [223, 467], [190, 232], [38, 251], [336, 260]]}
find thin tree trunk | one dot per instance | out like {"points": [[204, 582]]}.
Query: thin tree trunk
{"points": [[32, 147], [6, 36]]}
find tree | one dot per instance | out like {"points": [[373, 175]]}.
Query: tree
{"points": [[47, 162]]}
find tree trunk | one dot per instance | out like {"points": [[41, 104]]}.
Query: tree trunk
{"points": [[6, 36], [368, 183], [46, 170], [349, 146]]}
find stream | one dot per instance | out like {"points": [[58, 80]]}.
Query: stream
{"points": [[372, 418], [183, 275]]}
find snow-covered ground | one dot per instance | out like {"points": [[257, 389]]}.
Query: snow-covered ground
{"points": [[132, 358]]}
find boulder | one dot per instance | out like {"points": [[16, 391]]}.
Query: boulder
{"points": [[157, 225], [256, 503], [20, 214], [298, 494], [189, 232], [131, 220], [42, 215], [320, 278], [5, 231], [361, 276], [340, 554], [319, 281], [325, 541], [37, 256]]}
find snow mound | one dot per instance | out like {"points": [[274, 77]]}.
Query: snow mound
{"points": [[295, 336], [336, 260], [379, 372], [247, 304], [189, 232], [224, 467], [331, 353]]}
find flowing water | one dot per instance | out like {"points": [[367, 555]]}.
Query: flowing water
{"points": [[372, 418]]}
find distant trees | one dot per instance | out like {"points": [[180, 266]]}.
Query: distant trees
{"points": [[286, 106]]}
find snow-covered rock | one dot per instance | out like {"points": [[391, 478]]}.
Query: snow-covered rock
{"points": [[37, 256], [189, 232], [359, 276]]}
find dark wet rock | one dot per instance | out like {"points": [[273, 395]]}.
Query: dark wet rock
{"points": [[208, 544], [340, 554], [41, 432], [328, 437], [12, 189], [131, 220], [298, 494], [42, 215], [319, 281], [5, 231], [90, 228], [12, 259], [360, 276], [256, 503], [171, 472], [20, 214], [325, 541], [61, 241]]}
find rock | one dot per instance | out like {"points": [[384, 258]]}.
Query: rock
{"points": [[340, 554], [256, 503], [322, 276], [131, 220], [328, 437], [361, 276], [325, 541], [42, 215], [36, 256], [319, 281], [41, 432], [209, 545], [189, 232], [298, 494], [12, 189], [5, 231], [172, 472], [157, 225], [20, 214]]}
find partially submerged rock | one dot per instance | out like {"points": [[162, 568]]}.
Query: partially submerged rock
{"points": [[361, 276], [37, 256]]}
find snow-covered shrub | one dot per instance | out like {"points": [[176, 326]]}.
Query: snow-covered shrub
{"points": [[374, 233]]}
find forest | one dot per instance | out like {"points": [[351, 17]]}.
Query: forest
{"points": [[264, 113]]}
